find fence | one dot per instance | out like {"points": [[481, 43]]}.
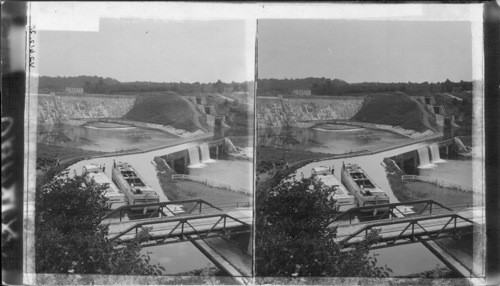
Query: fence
{"points": [[211, 183], [437, 182]]}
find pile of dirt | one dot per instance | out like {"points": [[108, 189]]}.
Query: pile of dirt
{"points": [[391, 109], [168, 109]]}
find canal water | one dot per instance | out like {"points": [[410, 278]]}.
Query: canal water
{"points": [[178, 257], [236, 173], [329, 138], [454, 171]]}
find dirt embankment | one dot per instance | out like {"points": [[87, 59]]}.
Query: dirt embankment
{"points": [[167, 109], [391, 109]]}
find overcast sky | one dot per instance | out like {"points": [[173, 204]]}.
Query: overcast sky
{"points": [[359, 51], [150, 50]]}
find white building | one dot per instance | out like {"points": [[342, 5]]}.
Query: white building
{"points": [[70, 89], [306, 92]]}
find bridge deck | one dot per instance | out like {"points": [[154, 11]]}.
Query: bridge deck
{"points": [[395, 227], [173, 226]]}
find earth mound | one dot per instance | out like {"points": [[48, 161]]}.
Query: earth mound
{"points": [[391, 109], [168, 109]]}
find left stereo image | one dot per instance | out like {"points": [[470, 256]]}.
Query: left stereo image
{"points": [[143, 143]]}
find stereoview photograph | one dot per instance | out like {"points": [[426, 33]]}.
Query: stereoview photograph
{"points": [[175, 143], [144, 150], [365, 151]]}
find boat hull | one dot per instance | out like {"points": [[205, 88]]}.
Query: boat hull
{"points": [[364, 200], [143, 195]]}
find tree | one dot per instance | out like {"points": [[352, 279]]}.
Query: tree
{"points": [[219, 86], [70, 238], [293, 237], [448, 85]]}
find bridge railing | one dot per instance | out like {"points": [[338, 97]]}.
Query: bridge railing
{"points": [[159, 208], [185, 226], [391, 210], [414, 223], [212, 183], [437, 182]]}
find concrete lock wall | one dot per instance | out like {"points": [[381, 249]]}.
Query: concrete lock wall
{"points": [[210, 120], [407, 162], [54, 109], [276, 112], [177, 161]]}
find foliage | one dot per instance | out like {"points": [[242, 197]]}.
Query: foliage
{"points": [[70, 239], [293, 237], [94, 84], [327, 86]]}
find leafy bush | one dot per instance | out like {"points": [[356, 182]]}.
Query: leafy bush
{"points": [[293, 237], [70, 239]]}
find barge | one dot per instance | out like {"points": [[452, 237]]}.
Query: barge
{"points": [[133, 186], [113, 195], [361, 186], [343, 199]]}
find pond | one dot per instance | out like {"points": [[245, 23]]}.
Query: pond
{"points": [[329, 138], [103, 137]]}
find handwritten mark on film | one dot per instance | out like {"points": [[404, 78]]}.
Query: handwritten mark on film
{"points": [[32, 46]]}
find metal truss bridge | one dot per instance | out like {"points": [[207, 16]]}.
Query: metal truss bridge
{"points": [[201, 221], [396, 225]]}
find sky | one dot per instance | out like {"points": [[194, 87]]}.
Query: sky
{"points": [[365, 51], [150, 50], [189, 42]]}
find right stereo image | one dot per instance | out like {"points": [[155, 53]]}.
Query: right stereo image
{"points": [[367, 151]]}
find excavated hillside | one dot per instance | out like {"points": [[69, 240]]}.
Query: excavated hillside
{"points": [[168, 109]]}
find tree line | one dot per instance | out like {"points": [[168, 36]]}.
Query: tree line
{"points": [[100, 85], [327, 86]]}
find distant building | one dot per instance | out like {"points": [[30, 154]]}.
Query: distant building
{"points": [[306, 92], [70, 89]]}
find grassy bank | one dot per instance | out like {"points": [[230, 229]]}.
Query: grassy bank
{"points": [[413, 191], [51, 160], [43, 177], [277, 155], [44, 151]]}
